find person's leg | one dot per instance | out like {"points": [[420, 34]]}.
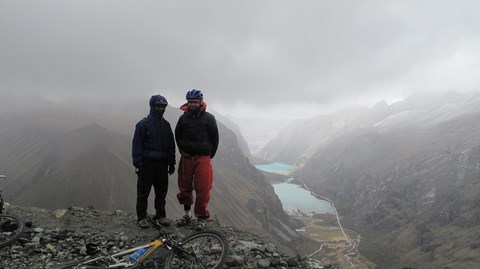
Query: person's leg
{"points": [[185, 187], [203, 185], [185, 182], [144, 185], [160, 185]]}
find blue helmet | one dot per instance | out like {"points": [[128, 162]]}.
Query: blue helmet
{"points": [[158, 100], [194, 94]]}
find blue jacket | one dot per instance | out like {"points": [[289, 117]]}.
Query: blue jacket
{"points": [[153, 140]]}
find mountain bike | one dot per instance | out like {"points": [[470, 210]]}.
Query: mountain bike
{"points": [[203, 249], [11, 226]]}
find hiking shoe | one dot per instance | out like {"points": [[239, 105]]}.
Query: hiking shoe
{"points": [[163, 221], [201, 224], [143, 223], [185, 220]]}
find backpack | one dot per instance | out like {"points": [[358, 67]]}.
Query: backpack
{"points": [[145, 129]]}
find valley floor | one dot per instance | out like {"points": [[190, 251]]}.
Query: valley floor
{"points": [[334, 248]]}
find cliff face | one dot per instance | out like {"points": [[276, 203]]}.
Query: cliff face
{"points": [[411, 192]]}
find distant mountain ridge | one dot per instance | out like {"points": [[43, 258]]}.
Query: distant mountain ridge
{"points": [[406, 176], [300, 140]]}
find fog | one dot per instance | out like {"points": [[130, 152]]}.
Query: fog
{"points": [[254, 60]]}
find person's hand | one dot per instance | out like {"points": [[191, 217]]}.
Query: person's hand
{"points": [[171, 169], [139, 170]]}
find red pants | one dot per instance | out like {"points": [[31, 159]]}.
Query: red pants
{"points": [[195, 173]]}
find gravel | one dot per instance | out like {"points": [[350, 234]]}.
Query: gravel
{"points": [[55, 237]]}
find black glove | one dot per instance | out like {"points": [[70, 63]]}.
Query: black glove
{"points": [[171, 169], [139, 170]]}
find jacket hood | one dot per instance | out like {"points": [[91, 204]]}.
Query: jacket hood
{"points": [[184, 107], [157, 99]]}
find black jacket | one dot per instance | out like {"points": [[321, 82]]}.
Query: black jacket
{"points": [[197, 134]]}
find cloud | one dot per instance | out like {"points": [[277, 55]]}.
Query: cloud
{"points": [[256, 54]]}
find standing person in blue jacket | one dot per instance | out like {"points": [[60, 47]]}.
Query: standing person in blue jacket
{"points": [[153, 153]]}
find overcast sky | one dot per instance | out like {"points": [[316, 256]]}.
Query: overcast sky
{"points": [[285, 58]]}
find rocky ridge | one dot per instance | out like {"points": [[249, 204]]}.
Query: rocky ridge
{"points": [[55, 237]]}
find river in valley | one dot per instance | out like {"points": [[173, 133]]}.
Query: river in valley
{"points": [[324, 227]]}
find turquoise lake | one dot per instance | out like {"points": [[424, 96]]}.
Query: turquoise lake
{"points": [[293, 196], [279, 168]]}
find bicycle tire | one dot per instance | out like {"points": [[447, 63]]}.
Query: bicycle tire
{"points": [[11, 229], [210, 249]]}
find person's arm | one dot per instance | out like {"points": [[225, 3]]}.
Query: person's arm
{"points": [[171, 146], [179, 133], [214, 136], [137, 145]]}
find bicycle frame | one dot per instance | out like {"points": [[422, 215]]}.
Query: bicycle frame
{"points": [[179, 252], [151, 247], [119, 258]]}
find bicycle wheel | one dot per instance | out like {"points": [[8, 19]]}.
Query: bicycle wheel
{"points": [[204, 249], [11, 228]]}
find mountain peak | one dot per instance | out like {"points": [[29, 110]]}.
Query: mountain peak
{"points": [[380, 106], [91, 127]]}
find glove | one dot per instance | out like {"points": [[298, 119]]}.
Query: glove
{"points": [[139, 170], [171, 169]]}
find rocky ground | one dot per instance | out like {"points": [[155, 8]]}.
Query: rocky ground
{"points": [[55, 237]]}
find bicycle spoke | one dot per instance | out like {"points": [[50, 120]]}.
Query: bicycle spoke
{"points": [[206, 249]]}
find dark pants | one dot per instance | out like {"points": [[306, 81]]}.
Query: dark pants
{"points": [[154, 172]]}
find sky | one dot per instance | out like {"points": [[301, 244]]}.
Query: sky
{"points": [[274, 59]]}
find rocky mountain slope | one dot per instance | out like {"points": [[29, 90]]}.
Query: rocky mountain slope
{"points": [[58, 156], [413, 203], [299, 141], [408, 183], [58, 236]]}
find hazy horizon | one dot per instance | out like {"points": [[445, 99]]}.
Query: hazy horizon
{"points": [[268, 61]]}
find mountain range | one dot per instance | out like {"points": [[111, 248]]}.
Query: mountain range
{"points": [[58, 155], [406, 176]]}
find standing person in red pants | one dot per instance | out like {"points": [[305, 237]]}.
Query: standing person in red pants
{"points": [[197, 137]]}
